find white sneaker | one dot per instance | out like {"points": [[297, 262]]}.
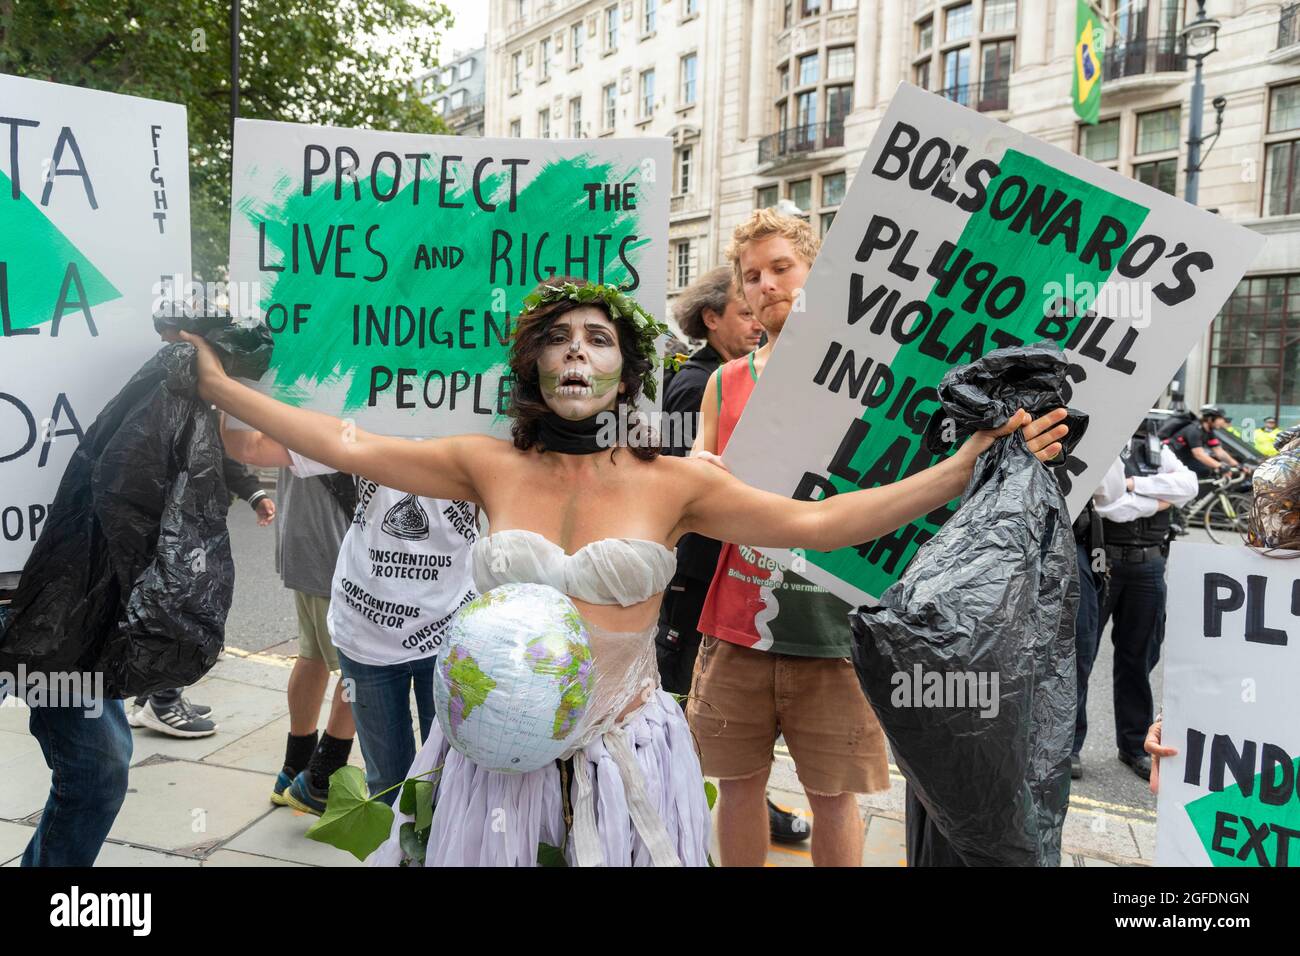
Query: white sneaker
{"points": [[178, 720]]}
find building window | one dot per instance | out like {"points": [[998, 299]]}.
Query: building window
{"points": [[810, 8], [999, 16], [921, 74], [1162, 174], [832, 189], [466, 69], [839, 62], [1255, 350], [800, 193], [839, 103], [766, 196], [805, 119], [577, 36], [1282, 155], [957, 23], [458, 100], [782, 117], [515, 130], [1284, 109], [519, 10], [575, 118], [649, 13], [995, 76], [827, 219], [544, 60], [839, 6], [647, 94], [516, 72], [925, 35], [783, 78], [808, 69], [611, 29], [609, 105], [687, 92], [787, 14], [683, 270], [1157, 131], [544, 124], [1100, 143], [448, 77], [685, 169], [956, 75], [690, 8]]}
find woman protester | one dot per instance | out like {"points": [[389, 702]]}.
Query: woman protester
{"points": [[597, 523]]}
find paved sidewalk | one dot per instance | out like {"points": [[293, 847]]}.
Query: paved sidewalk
{"points": [[205, 802]]}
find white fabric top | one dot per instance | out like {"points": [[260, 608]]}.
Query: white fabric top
{"points": [[623, 571], [1175, 483], [402, 572]]}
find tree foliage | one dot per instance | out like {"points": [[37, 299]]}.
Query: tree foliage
{"points": [[328, 62]]}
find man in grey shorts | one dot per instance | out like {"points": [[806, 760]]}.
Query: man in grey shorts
{"points": [[314, 517]]}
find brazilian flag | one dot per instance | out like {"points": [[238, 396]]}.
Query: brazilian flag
{"points": [[1087, 63]]}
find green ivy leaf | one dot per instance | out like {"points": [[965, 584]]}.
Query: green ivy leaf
{"points": [[412, 845], [352, 820], [548, 855], [423, 805], [710, 793]]}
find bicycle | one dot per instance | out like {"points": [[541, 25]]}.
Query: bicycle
{"points": [[1223, 508]]}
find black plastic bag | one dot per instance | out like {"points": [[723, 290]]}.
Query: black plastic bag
{"points": [[994, 592], [132, 576]]}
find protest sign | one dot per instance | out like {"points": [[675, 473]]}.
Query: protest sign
{"points": [[388, 265], [94, 190], [961, 235], [1232, 664]]}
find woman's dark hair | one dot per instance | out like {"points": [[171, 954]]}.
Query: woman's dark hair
{"points": [[527, 406]]}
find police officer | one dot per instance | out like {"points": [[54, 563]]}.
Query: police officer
{"points": [[1197, 444], [1135, 531]]}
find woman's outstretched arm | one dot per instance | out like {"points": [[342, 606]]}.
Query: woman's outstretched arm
{"points": [[721, 506], [444, 468]]}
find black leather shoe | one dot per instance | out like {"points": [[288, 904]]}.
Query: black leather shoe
{"points": [[787, 827], [1139, 765], [1076, 767]]}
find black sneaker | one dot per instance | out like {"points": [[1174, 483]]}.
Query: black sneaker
{"points": [[178, 720], [787, 827], [1076, 767], [1140, 765]]}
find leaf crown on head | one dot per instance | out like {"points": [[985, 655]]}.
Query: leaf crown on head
{"points": [[620, 306]]}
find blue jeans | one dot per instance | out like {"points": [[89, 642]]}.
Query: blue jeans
{"points": [[1087, 641], [381, 707], [89, 757]]}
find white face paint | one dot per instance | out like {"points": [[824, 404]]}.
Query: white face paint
{"points": [[581, 366]]}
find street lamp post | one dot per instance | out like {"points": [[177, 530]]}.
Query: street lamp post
{"points": [[1200, 38]]}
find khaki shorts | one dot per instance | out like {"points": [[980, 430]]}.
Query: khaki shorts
{"points": [[313, 633], [741, 699]]}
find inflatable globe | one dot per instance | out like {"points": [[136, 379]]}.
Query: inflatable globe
{"points": [[514, 677]]}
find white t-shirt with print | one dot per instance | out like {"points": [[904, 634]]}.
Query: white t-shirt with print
{"points": [[402, 573]]}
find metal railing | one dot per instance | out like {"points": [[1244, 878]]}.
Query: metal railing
{"points": [[471, 104], [986, 96], [798, 140], [1161, 54], [1288, 26]]}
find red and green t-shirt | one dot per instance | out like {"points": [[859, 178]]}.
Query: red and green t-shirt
{"points": [[752, 600]]}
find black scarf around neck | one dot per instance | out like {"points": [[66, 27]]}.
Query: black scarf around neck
{"points": [[570, 437]]}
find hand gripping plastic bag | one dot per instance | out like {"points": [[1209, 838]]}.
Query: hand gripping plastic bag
{"points": [[969, 660], [132, 576]]}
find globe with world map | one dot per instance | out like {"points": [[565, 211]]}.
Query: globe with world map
{"points": [[514, 678]]}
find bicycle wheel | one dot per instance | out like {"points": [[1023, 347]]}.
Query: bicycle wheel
{"points": [[1224, 522]]}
